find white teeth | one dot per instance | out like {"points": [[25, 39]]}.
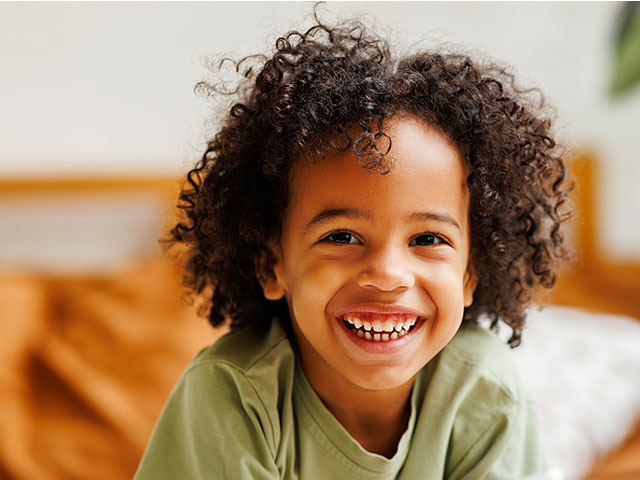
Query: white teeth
{"points": [[378, 330], [380, 326], [388, 326], [380, 337]]}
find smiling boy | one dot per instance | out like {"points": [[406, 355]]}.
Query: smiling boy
{"points": [[355, 217], [360, 247]]}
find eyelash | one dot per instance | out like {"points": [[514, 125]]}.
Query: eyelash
{"points": [[436, 237]]}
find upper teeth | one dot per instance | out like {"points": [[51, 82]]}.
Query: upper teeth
{"points": [[395, 322]]}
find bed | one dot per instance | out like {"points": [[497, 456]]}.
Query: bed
{"points": [[96, 332]]}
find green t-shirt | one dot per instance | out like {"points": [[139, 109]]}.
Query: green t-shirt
{"points": [[243, 409]]}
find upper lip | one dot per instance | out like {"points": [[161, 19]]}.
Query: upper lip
{"points": [[380, 308]]}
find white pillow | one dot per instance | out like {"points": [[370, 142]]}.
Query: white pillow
{"points": [[583, 371]]}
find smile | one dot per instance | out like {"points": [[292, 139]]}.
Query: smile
{"points": [[379, 327]]}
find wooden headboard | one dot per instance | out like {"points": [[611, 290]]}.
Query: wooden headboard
{"points": [[591, 279]]}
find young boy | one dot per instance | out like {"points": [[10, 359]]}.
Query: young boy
{"points": [[354, 218]]}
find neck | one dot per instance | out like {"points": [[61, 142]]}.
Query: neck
{"points": [[376, 421], [375, 418]]}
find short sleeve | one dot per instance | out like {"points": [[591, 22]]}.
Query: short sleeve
{"points": [[213, 425], [507, 447]]}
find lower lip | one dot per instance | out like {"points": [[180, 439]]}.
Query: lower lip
{"points": [[381, 347]]}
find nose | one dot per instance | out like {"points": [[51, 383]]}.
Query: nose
{"points": [[386, 269]]}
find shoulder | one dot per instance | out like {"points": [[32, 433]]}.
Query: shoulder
{"points": [[231, 390], [245, 349], [247, 374], [489, 411], [256, 363], [479, 356]]}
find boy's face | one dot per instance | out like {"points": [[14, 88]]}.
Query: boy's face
{"points": [[375, 267]]}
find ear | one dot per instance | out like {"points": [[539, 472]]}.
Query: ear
{"points": [[470, 282], [271, 280]]}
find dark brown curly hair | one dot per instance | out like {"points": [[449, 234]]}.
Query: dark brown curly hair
{"points": [[312, 93]]}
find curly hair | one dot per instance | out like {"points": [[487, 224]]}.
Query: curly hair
{"points": [[315, 90]]}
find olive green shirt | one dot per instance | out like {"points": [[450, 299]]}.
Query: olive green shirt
{"points": [[243, 409]]}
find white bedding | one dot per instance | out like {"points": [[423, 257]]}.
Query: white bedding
{"points": [[583, 370]]}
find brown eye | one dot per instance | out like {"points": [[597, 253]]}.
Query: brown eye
{"points": [[342, 237], [426, 239]]}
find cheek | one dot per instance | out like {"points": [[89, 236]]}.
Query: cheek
{"points": [[320, 274], [445, 285], [314, 284]]}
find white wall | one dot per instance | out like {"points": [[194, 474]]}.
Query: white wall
{"points": [[94, 88]]}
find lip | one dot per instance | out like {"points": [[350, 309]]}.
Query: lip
{"points": [[373, 347], [379, 308], [388, 347]]}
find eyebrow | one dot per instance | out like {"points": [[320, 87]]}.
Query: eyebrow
{"points": [[329, 214]]}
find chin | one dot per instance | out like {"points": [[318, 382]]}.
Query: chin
{"points": [[388, 379]]}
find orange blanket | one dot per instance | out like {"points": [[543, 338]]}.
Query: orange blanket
{"points": [[86, 363]]}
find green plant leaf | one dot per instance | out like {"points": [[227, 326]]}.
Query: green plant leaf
{"points": [[626, 73]]}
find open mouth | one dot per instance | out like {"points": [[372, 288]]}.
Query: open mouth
{"points": [[380, 328]]}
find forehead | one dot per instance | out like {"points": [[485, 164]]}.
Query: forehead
{"points": [[427, 171]]}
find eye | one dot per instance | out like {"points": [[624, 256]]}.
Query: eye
{"points": [[341, 237], [426, 239]]}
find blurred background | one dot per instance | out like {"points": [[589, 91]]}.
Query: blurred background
{"points": [[99, 122]]}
